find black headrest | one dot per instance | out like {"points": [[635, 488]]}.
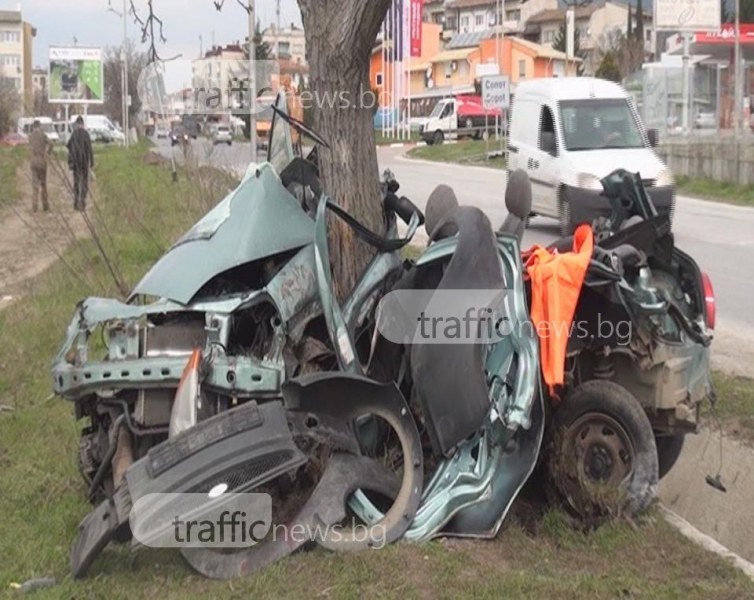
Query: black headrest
{"points": [[441, 206], [518, 194]]}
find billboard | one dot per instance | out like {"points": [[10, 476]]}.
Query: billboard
{"points": [[687, 15], [75, 75]]}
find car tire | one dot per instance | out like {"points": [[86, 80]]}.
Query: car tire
{"points": [[438, 137], [669, 448], [564, 216], [601, 453]]}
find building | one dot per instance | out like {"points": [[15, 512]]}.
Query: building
{"points": [[16, 38], [218, 70], [39, 81], [380, 80], [594, 22], [286, 42]]}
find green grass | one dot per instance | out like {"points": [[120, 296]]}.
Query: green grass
{"points": [[709, 189], [735, 406], [536, 555], [468, 152], [10, 159]]}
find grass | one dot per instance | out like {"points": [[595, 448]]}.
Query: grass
{"points": [[10, 158], [538, 554], [709, 189], [467, 152], [735, 406]]}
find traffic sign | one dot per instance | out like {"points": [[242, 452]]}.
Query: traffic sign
{"points": [[496, 92]]}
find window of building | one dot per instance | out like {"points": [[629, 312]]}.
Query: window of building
{"points": [[513, 15], [451, 23], [10, 60], [548, 36], [10, 37], [465, 22], [379, 79], [479, 20], [522, 69], [648, 34]]}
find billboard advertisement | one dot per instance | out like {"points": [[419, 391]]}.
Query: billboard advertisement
{"points": [[687, 15], [76, 75]]}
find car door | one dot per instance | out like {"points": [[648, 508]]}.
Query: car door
{"points": [[542, 165]]}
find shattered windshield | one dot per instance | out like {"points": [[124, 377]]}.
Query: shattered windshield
{"points": [[210, 222], [599, 123], [280, 152]]}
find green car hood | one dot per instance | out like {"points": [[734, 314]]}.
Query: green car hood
{"points": [[257, 219]]}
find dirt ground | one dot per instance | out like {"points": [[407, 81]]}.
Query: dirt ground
{"points": [[31, 242]]}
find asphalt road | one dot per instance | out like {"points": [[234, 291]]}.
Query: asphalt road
{"points": [[719, 236]]}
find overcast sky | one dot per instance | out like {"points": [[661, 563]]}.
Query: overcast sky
{"points": [[59, 21]]}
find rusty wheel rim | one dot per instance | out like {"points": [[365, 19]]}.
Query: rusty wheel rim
{"points": [[597, 463]]}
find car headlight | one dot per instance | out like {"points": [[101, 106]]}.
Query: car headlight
{"points": [[664, 178], [587, 181]]}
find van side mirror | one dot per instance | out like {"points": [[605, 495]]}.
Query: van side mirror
{"points": [[547, 142], [652, 135]]}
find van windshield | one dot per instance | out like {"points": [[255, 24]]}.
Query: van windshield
{"points": [[437, 110], [599, 123]]}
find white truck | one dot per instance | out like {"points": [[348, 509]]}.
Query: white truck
{"points": [[460, 116], [101, 129], [569, 133]]}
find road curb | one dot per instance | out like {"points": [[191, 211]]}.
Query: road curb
{"points": [[706, 542]]}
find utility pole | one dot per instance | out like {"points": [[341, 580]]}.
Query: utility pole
{"points": [[252, 81], [738, 92]]}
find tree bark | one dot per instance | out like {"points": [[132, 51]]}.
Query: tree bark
{"points": [[340, 35]]}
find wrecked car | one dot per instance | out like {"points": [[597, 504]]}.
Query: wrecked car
{"points": [[231, 367]]}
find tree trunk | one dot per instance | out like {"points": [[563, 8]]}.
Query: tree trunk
{"points": [[340, 35]]}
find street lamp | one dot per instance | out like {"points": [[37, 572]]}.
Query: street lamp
{"points": [[124, 59]]}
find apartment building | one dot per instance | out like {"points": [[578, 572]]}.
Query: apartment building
{"points": [[593, 23], [286, 43], [16, 37]]}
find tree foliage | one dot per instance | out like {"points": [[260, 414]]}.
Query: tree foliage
{"points": [[10, 103], [608, 68], [559, 44], [627, 52], [112, 68], [728, 8]]}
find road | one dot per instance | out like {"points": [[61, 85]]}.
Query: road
{"points": [[719, 236]]}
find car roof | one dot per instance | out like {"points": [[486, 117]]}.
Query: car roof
{"points": [[570, 88]]}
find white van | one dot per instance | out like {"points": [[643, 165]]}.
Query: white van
{"points": [[25, 123], [101, 128], [568, 133]]}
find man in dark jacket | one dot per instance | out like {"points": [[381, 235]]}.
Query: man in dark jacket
{"points": [[80, 160]]}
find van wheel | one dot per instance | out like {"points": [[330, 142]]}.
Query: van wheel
{"points": [[438, 137], [564, 216], [602, 457]]}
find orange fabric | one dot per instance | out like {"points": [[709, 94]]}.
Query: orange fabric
{"points": [[556, 281]]}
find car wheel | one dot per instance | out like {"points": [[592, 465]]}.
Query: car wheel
{"points": [[602, 456], [564, 216], [668, 450], [438, 137]]}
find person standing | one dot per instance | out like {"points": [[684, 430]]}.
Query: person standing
{"points": [[80, 160], [40, 147]]}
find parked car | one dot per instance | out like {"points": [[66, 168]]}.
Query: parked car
{"points": [[161, 132], [101, 129], [25, 124], [13, 139], [221, 134]]}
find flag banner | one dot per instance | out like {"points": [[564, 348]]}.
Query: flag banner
{"points": [[416, 27]]}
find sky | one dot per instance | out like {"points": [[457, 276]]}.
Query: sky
{"points": [[59, 21]]}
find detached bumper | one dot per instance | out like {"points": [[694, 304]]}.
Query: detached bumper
{"points": [[587, 205]]}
